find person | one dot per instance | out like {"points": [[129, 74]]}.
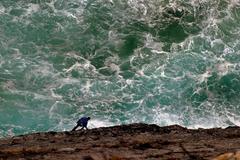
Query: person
{"points": [[82, 122]]}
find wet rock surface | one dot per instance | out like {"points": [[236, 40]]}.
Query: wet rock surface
{"points": [[126, 142]]}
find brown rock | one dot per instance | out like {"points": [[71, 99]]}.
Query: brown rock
{"points": [[229, 156], [126, 142]]}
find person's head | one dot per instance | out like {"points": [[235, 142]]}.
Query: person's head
{"points": [[88, 118]]}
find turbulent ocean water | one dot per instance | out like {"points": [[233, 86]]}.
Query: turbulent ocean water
{"points": [[118, 61]]}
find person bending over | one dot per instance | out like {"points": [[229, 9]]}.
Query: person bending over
{"points": [[82, 122]]}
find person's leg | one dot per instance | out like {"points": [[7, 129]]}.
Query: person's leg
{"points": [[75, 127]]}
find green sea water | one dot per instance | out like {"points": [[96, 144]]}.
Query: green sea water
{"points": [[118, 61]]}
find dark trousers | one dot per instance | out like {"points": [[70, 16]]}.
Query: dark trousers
{"points": [[77, 127]]}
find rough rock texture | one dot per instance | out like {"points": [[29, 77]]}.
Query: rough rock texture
{"points": [[126, 142]]}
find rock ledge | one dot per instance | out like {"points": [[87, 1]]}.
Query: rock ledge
{"points": [[126, 142]]}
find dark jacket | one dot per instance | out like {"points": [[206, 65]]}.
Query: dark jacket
{"points": [[83, 121]]}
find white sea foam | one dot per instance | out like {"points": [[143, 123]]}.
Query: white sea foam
{"points": [[45, 69], [75, 66], [223, 68], [211, 121], [234, 3], [163, 118], [2, 9], [9, 85], [234, 118], [32, 8], [1, 61], [150, 43], [51, 4], [204, 77], [68, 80], [95, 123]]}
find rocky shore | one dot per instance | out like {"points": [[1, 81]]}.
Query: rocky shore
{"points": [[126, 142]]}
